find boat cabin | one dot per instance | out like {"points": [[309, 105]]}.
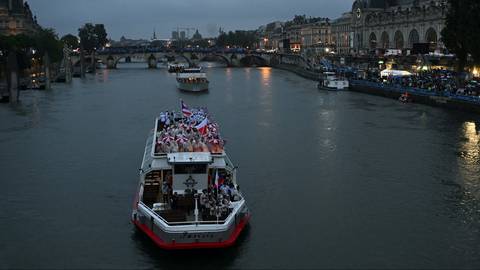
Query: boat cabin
{"points": [[192, 70], [192, 77]]}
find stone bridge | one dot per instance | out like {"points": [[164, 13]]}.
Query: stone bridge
{"points": [[110, 58]]}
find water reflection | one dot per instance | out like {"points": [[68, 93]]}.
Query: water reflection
{"points": [[228, 73], [217, 258], [266, 97], [470, 148], [247, 73], [266, 73], [326, 130], [319, 162], [104, 75], [469, 159]]}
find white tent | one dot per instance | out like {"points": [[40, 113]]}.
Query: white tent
{"points": [[395, 73]]}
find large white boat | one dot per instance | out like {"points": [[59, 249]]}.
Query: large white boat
{"points": [[331, 82], [188, 196], [193, 80]]}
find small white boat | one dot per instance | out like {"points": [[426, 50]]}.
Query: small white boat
{"points": [[331, 82], [193, 80]]}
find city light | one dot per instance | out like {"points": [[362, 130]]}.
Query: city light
{"points": [[476, 72]]}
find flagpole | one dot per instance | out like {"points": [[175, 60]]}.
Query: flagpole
{"points": [[216, 184]]}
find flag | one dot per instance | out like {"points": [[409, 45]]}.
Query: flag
{"points": [[202, 127], [216, 178], [185, 110]]}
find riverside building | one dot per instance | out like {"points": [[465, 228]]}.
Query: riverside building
{"points": [[396, 24], [16, 18]]}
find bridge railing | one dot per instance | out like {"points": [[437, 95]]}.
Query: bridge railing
{"points": [[132, 50]]}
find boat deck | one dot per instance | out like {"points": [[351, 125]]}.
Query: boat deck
{"points": [[180, 209]]}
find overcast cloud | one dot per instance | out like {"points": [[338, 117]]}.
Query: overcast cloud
{"points": [[138, 18]]}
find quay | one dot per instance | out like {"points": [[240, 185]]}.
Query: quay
{"points": [[421, 96]]}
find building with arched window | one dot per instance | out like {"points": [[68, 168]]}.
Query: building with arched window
{"points": [[395, 24]]}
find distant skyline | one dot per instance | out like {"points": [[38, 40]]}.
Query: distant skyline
{"points": [[138, 18]]}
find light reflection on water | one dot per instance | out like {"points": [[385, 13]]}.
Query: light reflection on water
{"points": [[470, 150], [469, 159], [330, 182], [266, 72]]}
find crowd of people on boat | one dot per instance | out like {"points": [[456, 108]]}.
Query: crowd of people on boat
{"points": [[194, 132], [439, 81], [192, 80], [215, 201], [176, 68]]}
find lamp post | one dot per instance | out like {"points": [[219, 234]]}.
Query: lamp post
{"points": [[12, 70], [68, 64], [46, 63]]}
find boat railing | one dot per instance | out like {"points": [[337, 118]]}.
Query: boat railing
{"points": [[183, 223]]}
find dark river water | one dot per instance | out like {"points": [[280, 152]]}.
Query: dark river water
{"points": [[334, 180]]}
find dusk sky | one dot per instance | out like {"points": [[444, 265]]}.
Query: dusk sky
{"points": [[138, 18]]}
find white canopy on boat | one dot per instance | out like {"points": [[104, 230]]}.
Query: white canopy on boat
{"points": [[395, 73], [191, 75]]}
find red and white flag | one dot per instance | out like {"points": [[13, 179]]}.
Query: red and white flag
{"points": [[185, 110], [202, 127]]}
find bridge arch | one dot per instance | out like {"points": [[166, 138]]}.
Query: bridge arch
{"points": [[190, 63], [223, 58], [252, 59]]}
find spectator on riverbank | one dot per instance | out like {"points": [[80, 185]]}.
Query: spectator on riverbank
{"points": [[439, 81]]}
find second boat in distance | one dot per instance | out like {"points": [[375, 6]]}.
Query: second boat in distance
{"points": [[192, 80]]}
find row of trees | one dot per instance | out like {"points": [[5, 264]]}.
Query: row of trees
{"points": [[238, 38], [46, 41], [461, 35], [302, 19], [90, 38]]}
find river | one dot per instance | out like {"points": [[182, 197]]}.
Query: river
{"points": [[333, 180]]}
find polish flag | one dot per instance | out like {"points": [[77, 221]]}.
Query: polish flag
{"points": [[202, 127], [185, 110]]}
